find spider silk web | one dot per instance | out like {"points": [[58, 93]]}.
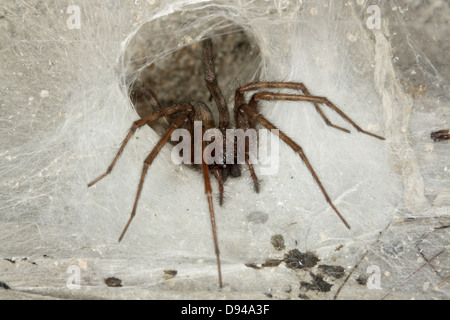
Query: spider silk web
{"points": [[65, 110]]}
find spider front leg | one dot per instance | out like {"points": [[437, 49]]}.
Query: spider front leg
{"points": [[208, 191], [218, 174], [184, 107], [213, 87], [147, 93], [148, 161], [245, 109], [244, 123]]}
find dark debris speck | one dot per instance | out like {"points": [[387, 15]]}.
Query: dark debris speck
{"points": [[336, 272], [4, 286], [271, 263], [113, 282], [169, 274], [362, 280], [295, 259], [317, 284], [278, 242]]}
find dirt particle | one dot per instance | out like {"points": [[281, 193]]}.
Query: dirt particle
{"points": [[440, 135], [4, 286], [169, 274], [278, 242], [362, 280], [295, 259], [271, 263], [336, 272], [113, 282], [252, 265], [317, 284]]}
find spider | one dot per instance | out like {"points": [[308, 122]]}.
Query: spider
{"points": [[246, 115]]}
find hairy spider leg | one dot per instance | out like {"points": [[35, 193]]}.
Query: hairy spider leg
{"points": [[283, 85], [218, 175], [242, 122], [255, 115], [148, 161], [147, 93], [136, 125], [219, 100], [272, 96], [208, 191], [151, 102], [251, 110], [239, 100], [213, 87], [252, 173]]}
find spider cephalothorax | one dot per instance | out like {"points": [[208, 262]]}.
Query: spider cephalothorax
{"points": [[188, 115]]}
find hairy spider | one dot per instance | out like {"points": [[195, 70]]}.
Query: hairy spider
{"points": [[183, 115]]}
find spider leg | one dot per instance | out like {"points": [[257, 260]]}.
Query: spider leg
{"points": [[211, 83], [270, 96], [243, 122], [208, 191], [218, 175], [148, 93], [284, 85], [136, 125], [148, 161], [252, 173], [146, 102], [255, 115]]}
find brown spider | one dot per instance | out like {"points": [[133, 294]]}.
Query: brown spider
{"points": [[183, 115]]}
